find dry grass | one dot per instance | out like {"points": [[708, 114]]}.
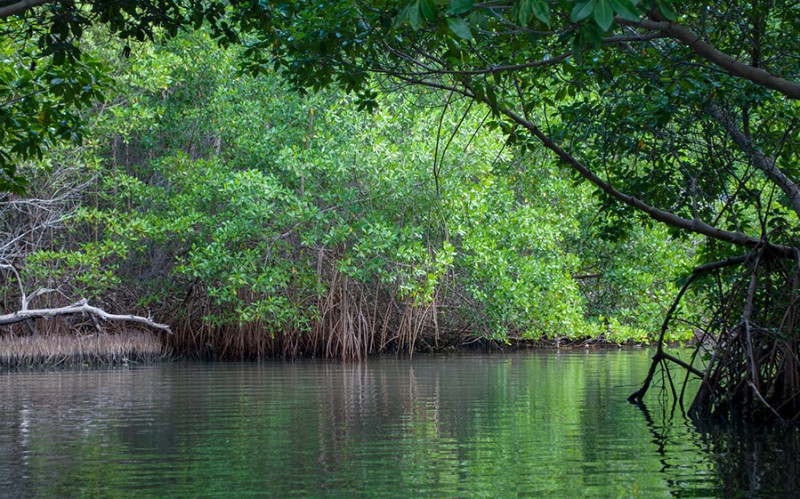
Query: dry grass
{"points": [[67, 349]]}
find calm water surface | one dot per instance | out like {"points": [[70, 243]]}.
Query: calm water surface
{"points": [[542, 424]]}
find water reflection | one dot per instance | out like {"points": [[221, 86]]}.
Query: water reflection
{"points": [[529, 424], [755, 462]]}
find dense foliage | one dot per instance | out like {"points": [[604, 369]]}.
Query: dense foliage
{"points": [[259, 220]]}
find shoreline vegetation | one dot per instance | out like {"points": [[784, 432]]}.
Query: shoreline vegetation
{"points": [[255, 222], [134, 346]]}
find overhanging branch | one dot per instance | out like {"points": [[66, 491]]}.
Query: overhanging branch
{"points": [[715, 56], [697, 226], [763, 162], [20, 7]]}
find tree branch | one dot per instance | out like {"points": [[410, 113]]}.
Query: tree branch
{"points": [[26, 301], [697, 226], [638, 395], [763, 162], [81, 307], [683, 364], [717, 57], [20, 7], [13, 270]]}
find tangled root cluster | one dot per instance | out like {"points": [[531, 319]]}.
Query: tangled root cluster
{"points": [[753, 374], [751, 341]]}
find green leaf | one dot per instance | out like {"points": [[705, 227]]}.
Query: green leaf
{"points": [[541, 9], [666, 8], [428, 10], [581, 11], [414, 16], [459, 27], [59, 57], [524, 10], [458, 7], [491, 98], [603, 14], [626, 9]]}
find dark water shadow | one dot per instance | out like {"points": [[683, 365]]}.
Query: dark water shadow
{"points": [[747, 460], [755, 461]]}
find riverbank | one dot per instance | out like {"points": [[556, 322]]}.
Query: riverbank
{"points": [[543, 343], [142, 347]]}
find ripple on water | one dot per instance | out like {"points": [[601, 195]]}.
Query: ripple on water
{"points": [[527, 424]]}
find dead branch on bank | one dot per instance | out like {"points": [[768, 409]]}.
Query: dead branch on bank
{"points": [[82, 306], [79, 307]]}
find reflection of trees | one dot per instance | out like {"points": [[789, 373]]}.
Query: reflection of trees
{"points": [[42, 413], [673, 439], [518, 419], [13, 471], [745, 461], [755, 462], [312, 418], [550, 424], [424, 400]]}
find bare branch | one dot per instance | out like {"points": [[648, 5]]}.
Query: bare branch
{"points": [[39, 292], [19, 282], [81, 307], [20, 7], [497, 69]]}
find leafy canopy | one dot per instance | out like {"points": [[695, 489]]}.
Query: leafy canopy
{"points": [[686, 113]]}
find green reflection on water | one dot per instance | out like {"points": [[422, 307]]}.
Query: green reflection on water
{"points": [[524, 424]]}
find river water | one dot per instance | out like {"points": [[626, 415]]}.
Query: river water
{"points": [[532, 424]]}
